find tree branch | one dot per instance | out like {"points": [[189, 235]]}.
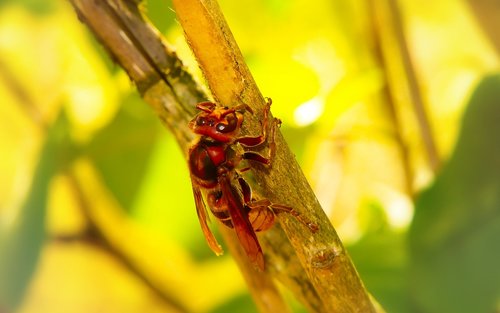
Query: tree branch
{"points": [[393, 15], [315, 267], [322, 256], [389, 93], [487, 13]]}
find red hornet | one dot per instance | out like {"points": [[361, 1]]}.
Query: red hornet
{"points": [[217, 181]]}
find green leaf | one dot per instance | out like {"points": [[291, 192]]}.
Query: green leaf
{"points": [[121, 150], [160, 13], [20, 245], [454, 236], [381, 260], [37, 7], [241, 304]]}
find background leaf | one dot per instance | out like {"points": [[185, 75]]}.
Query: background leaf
{"points": [[39, 7], [121, 150], [454, 236], [312, 58], [382, 261], [20, 245]]}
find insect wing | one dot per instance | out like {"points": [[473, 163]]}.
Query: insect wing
{"points": [[201, 210], [242, 226]]}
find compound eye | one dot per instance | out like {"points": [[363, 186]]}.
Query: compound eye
{"points": [[201, 121], [221, 128], [229, 126]]}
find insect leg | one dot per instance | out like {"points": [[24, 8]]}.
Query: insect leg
{"points": [[252, 141], [257, 207], [245, 190], [278, 208], [254, 156]]}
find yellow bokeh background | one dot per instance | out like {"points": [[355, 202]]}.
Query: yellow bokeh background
{"points": [[315, 59]]}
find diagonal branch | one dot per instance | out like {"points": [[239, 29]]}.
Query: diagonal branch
{"points": [[390, 44], [316, 268], [322, 255], [415, 94], [150, 63], [389, 93], [98, 236]]}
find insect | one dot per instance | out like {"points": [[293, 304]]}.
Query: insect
{"points": [[216, 175]]}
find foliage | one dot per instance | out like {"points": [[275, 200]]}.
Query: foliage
{"points": [[453, 235], [105, 163]]}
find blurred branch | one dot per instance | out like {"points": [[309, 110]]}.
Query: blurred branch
{"points": [[22, 96], [150, 63], [488, 16], [414, 89], [95, 232], [389, 95], [261, 285], [388, 22]]}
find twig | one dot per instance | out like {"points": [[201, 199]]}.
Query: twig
{"points": [[487, 14], [413, 86], [261, 285], [23, 98], [389, 94], [149, 62], [100, 237]]}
